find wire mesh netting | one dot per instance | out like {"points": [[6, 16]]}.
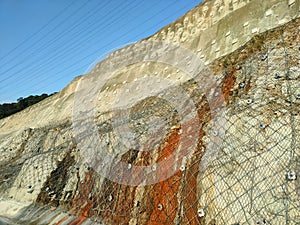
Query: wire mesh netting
{"points": [[249, 176]]}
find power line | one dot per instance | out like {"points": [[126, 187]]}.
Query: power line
{"points": [[58, 49], [97, 51], [61, 51], [39, 30], [42, 38]]}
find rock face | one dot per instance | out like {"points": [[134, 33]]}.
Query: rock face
{"points": [[230, 157]]}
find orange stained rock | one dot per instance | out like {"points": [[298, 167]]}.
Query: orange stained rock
{"points": [[78, 221], [164, 194], [227, 85], [61, 221]]}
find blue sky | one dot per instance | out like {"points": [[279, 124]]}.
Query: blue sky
{"points": [[46, 43]]}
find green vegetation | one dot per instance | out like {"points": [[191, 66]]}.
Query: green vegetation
{"points": [[8, 109]]}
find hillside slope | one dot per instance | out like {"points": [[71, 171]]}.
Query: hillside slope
{"points": [[219, 147]]}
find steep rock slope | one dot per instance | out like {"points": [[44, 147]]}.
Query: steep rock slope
{"points": [[250, 177]]}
